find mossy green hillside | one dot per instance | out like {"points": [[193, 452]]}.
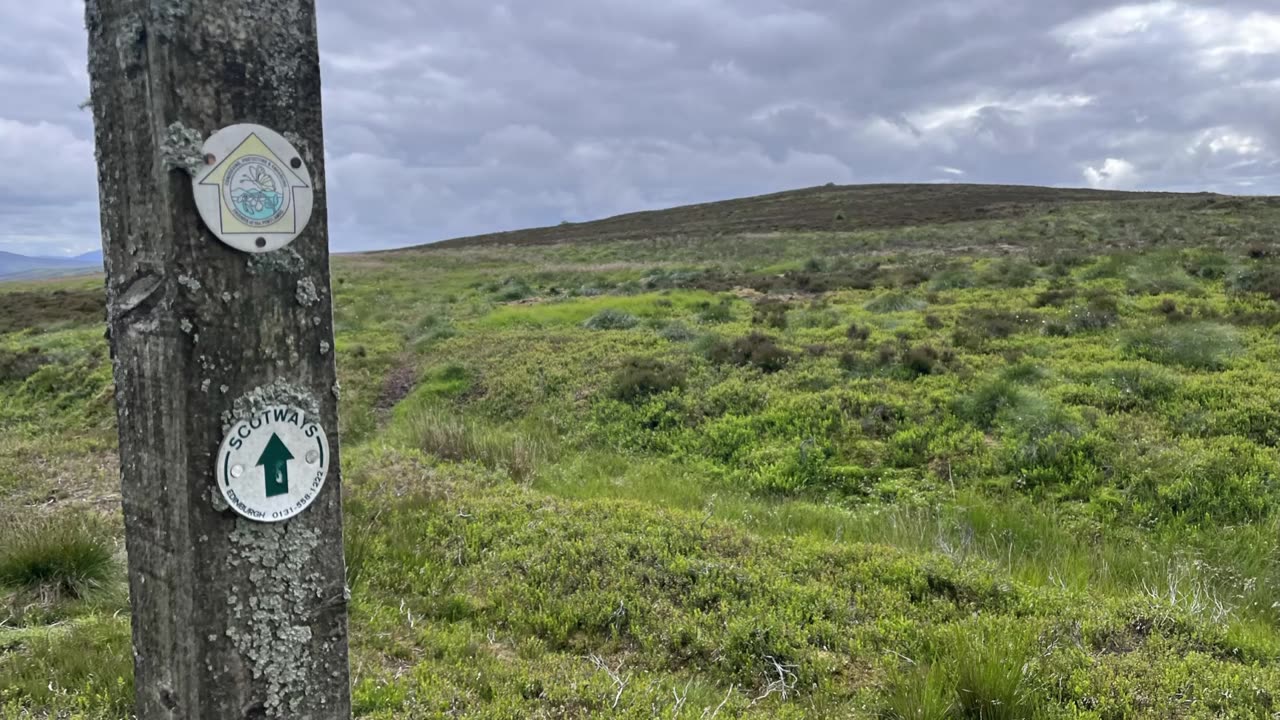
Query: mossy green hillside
{"points": [[1022, 467]]}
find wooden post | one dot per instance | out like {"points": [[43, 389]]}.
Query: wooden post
{"points": [[232, 619]]}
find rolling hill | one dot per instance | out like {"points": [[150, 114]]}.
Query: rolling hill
{"points": [[824, 208], [966, 453]]}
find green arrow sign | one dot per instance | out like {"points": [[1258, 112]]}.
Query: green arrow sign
{"points": [[275, 464]]}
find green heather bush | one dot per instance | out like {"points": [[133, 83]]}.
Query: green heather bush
{"points": [[1215, 481], [1129, 386], [1055, 297], [512, 289], [1206, 264], [977, 329], [1009, 273], [69, 554], [610, 319], [715, 313], [858, 333], [982, 405], [1257, 277], [757, 350], [677, 331], [640, 377], [1099, 311], [923, 360], [953, 278], [815, 316], [1200, 346], [85, 667], [1157, 275], [894, 302], [771, 313], [1026, 372], [18, 365]]}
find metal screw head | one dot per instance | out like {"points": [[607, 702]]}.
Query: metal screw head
{"points": [[260, 242], [237, 471], [296, 163], [312, 457]]}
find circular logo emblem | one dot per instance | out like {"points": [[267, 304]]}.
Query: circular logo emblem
{"points": [[271, 466], [256, 191]]}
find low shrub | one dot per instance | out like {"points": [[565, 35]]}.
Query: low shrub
{"points": [[857, 333], [18, 365], [512, 289], [1156, 275], [1131, 386], [985, 324], [952, 278], [715, 313], [984, 403], [1099, 311], [1206, 264], [922, 360], [641, 377], [1009, 273], [1055, 297], [771, 313], [757, 350], [1200, 346], [677, 332], [1257, 278], [1216, 482]]}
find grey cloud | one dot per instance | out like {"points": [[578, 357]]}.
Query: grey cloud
{"points": [[453, 117]]}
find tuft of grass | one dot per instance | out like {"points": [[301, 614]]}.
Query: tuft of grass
{"points": [[985, 403], [449, 436], [1158, 274], [921, 694], [1200, 346], [610, 319], [68, 554], [895, 302], [512, 289], [993, 668]]}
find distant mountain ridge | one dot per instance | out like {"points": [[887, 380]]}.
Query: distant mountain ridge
{"points": [[25, 267]]}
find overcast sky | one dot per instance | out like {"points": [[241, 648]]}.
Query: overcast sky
{"points": [[455, 117]]}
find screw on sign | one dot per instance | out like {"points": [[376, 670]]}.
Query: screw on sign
{"points": [[260, 455]]}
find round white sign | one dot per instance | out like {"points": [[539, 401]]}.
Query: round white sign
{"points": [[271, 466], [254, 191]]}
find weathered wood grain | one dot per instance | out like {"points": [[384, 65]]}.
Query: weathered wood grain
{"points": [[231, 619]]}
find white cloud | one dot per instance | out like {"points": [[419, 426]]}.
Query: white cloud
{"points": [[1214, 35], [1113, 174], [457, 117]]}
